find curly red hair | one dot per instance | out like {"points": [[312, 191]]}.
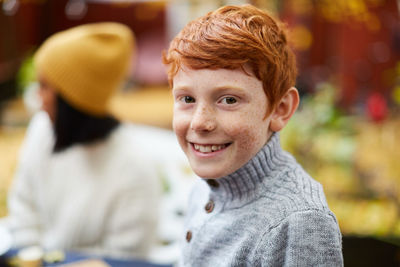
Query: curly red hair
{"points": [[232, 37]]}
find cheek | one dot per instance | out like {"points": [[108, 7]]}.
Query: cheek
{"points": [[47, 97], [249, 130], [46, 101], [180, 124], [250, 141]]}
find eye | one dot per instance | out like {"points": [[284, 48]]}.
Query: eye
{"points": [[187, 99], [229, 100]]}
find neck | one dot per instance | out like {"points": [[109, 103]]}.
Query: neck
{"points": [[258, 172]]}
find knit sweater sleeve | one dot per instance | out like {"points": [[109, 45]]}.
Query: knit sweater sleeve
{"points": [[130, 230], [132, 226], [23, 220], [307, 238]]}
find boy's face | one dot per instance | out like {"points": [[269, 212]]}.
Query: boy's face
{"points": [[219, 119]]}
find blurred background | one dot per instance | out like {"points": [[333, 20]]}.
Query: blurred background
{"points": [[346, 132]]}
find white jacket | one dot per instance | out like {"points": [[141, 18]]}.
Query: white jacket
{"points": [[101, 198]]}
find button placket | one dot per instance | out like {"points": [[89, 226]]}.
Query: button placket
{"points": [[209, 206], [188, 236]]}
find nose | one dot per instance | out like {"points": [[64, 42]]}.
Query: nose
{"points": [[203, 119]]}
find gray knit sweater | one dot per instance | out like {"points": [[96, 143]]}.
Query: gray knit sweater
{"points": [[270, 212]]}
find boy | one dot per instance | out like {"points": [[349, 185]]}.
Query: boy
{"points": [[232, 74]]}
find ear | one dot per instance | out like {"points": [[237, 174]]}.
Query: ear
{"points": [[284, 110]]}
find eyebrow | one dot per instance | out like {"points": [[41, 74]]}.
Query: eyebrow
{"points": [[181, 88], [229, 87], [219, 88]]}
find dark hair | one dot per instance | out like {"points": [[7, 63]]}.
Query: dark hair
{"points": [[72, 126]]}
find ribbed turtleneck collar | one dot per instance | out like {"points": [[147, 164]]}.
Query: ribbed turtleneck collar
{"points": [[241, 186]]}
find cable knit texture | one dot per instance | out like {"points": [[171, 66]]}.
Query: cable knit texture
{"points": [[270, 212]]}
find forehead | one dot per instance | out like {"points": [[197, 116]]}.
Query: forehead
{"points": [[214, 78]]}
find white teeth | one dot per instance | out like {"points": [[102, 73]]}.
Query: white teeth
{"points": [[208, 148], [205, 149]]}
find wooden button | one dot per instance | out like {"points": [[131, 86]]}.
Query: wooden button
{"points": [[210, 206], [188, 236], [212, 183]]}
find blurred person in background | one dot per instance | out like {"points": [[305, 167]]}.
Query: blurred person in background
{"points": [[83, 182]]}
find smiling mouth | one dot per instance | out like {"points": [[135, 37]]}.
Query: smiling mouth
{"points": [[209, 148]]}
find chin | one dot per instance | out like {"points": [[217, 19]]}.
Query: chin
{"points": [[209, 174]]}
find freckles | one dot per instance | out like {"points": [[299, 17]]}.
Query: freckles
{"points": [[250, 132], [249, 139]]}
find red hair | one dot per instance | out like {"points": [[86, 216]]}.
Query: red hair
{"points": [[232, 37]]}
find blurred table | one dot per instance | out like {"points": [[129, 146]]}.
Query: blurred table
{"points": [[73, 257]]}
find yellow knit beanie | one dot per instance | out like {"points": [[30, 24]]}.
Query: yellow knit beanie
{"points": [[87, 63]]}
